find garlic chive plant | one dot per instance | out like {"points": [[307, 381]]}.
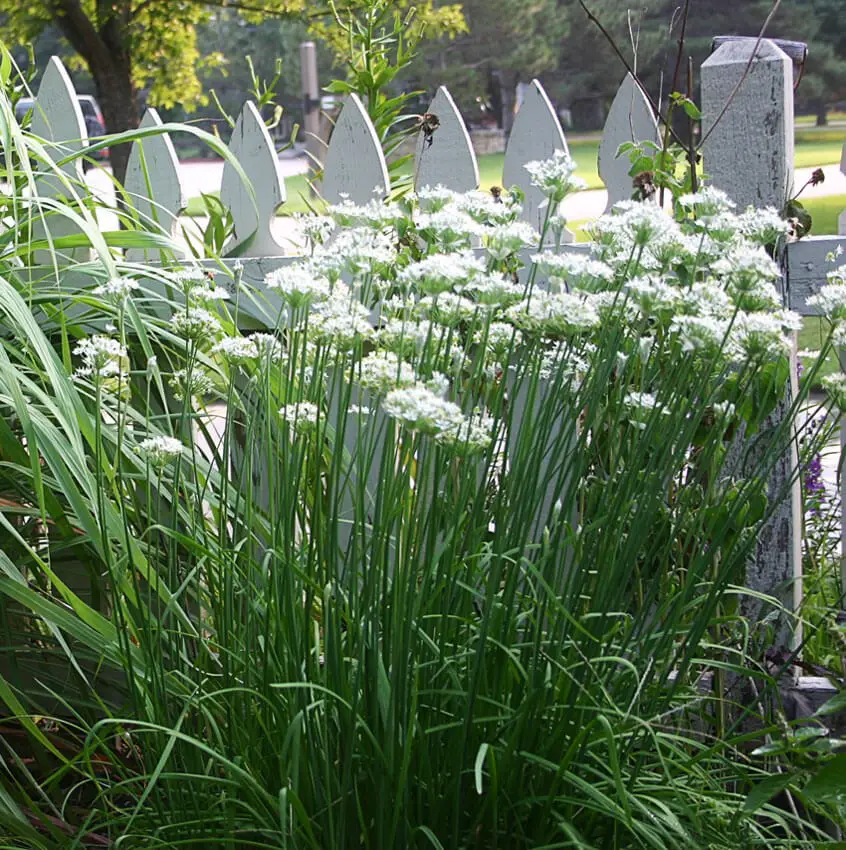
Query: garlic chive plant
{"points": [[444, 557]]}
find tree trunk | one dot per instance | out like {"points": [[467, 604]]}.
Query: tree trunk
{"points": [[119, 102], [822, 113], [105, 50], [509, 100], [495, 95]]}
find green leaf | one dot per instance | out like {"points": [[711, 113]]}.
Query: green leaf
{"points": [[796, 211], [833, 706], [829, 782], [764, 791], [431, 836], [692, 110], [480, 761], [5, 68]]}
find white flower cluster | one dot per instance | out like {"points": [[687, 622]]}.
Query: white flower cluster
{"points": [[421, 409], [161, 451], [240, 350], [555, 176], [489, 209], [302, 417], [382, 371], [835, 388], [116, 289], [298, 284], [470, 436], [341, 321], [420, 298], [503, 240], [355, 251], [574, 270], [447, 309], [191, 385], [208, 294], [554, 315], [101, 357], [376, 213], [449, 228], [316, 228], [187, 278], [493, 290], [441, 272], [831, 299], [707, 201], [195, 324]]}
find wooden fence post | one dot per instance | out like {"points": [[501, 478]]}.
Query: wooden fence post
{"points": [[747, 103]]}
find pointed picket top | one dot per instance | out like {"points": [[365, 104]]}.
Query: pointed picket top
{"points": [[57, 118], [536, 134], [355, 166], [630, 119], [842, 221], [153, 173], [252, 146], [445, 157]]}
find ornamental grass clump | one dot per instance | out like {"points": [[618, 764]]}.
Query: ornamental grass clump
{"points": [[447, 555]]}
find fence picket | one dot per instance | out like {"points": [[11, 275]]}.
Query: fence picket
{"points": [[630, 119], [536, 134], [446, 157], [355, 166], [253, 212], [57, 119], [153, 184]]}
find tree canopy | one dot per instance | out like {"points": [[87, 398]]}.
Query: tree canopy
{"points": [[175, 50], [127, 45], [513, 40]]}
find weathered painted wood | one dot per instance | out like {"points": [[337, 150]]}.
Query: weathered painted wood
{"points": [[630, 119], [154, 185], [551, 461], [446, 156], [807, 265], [747, 104], [253, 207], [748, 149], [536, 134], [361, 442], [355, 166], [842, 219], [57, 120]]}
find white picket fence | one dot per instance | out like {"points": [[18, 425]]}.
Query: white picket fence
{"points": [[748, 153]]}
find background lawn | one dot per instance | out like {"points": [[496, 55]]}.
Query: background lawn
{"points": [[824, 212], [814, 147]]}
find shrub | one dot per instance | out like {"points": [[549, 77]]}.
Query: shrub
{"points": [[449, 556]]}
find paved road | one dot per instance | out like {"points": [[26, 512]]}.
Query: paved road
{"points": [[204, 176]]}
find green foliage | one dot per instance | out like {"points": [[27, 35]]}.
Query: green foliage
{"points": [[380, 42], [656, 169], [504, 42], [273, 47]]}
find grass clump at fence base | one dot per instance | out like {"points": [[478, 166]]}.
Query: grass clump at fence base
{"points": [[461, 569]]}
